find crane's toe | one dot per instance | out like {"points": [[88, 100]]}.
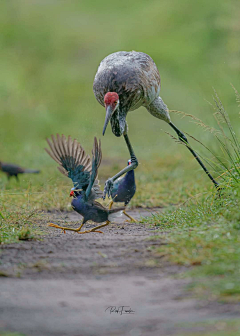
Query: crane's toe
{"points": [[108, 188]]}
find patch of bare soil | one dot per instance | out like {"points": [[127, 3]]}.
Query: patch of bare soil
{"points": [[63, 284]]}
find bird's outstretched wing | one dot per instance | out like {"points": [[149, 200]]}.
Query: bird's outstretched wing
{"points": [[75, 163], [96, 161]]}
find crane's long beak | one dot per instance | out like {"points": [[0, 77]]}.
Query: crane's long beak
{"points": [[109, 112]]}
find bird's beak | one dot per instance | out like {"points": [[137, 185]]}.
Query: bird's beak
{"points": [[71, 194], [109, 112]]}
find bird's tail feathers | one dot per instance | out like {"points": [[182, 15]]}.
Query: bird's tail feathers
{"points": [[116, 210], [115, 213], [31, 171]]}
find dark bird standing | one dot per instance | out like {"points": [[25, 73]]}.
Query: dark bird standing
{"points": [[13, 170], [123, 190], [124, 82], [77, 165]]}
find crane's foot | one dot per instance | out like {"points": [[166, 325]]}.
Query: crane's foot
{"points": [[130, 217], [108, 188]]}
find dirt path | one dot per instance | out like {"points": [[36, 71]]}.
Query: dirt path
{"points": [[63, 284]]}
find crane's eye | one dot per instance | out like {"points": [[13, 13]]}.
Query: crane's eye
{"points": [[115, 102]]}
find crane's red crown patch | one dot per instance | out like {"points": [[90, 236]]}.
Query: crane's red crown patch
{"points": [[110, 98]]}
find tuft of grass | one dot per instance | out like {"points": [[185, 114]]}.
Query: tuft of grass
{"points": [[205, 233], [204, 230], [25, 234], [226, 160], [20, 224]]}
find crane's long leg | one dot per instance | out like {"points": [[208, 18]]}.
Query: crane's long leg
{"points": [[133, 165], [183, 138]]}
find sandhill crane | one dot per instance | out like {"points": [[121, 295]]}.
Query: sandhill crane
{"points": [[125, 81]]}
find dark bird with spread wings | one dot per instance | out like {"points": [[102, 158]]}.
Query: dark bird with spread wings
{"points": [[77, 165]]}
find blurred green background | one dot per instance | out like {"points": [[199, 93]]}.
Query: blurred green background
{"points": [[50, 51]]}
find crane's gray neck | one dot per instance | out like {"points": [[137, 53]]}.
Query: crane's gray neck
{"points": [[159, 109], [118, 122]]}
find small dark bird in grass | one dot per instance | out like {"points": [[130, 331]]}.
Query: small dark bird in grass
{"points": [[123, 190], [77, 165], [14, 170]]}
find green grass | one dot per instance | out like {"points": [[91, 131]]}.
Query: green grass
{"points": [[205, 230], [20, 224], [51, 50], [229, 327], [22, 204], [49, 55], [205, 233]]}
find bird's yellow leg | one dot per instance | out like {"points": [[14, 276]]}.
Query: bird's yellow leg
{"points": [[130, 217], [99, 226], [65, 228], [88, 231], [110, 205], [95, 229]]}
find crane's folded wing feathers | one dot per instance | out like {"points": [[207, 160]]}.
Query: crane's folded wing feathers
{"points": [[75, 163]]}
